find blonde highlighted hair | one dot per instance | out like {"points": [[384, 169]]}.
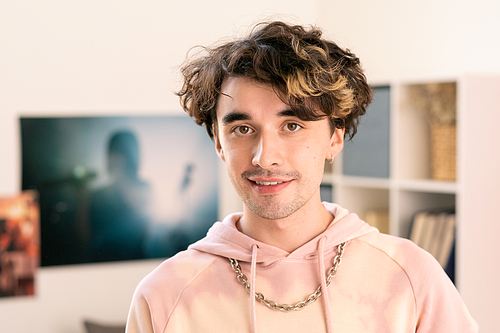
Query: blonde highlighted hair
{"points": [[314, 76]]}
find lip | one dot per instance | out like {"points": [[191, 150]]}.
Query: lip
{"points": [[269, 186]]}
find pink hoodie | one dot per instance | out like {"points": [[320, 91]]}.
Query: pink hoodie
{"points": [[383, 284]]}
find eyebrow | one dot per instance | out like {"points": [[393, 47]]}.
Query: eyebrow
{"points": [[234, 116], [287, 113]]}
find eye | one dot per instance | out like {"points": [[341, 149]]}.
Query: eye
{"points": [[292, 127], [242, 129]]}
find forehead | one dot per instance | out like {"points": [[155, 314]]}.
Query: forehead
{"points": [[245, 95], [236, 83]]}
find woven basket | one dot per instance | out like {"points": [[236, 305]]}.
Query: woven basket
{"points": [[444, 152]]}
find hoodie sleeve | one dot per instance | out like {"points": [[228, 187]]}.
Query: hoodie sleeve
{"points": [[153, 301], [440, 307], [158, 294], [139, 317]]}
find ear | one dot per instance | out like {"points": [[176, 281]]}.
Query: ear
{"points": [[336, 143], [218, 147]]}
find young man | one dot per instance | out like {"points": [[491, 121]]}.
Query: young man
{"points": [[278, 104]]}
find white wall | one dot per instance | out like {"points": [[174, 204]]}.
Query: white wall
{"points": [[116, 57], [417, 38], [100, 57]]}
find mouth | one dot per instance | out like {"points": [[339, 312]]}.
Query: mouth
{"points": [[268, 183], [267, 187], [265, 182]]}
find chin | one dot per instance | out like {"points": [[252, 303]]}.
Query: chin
{"points": [[273, 210]]}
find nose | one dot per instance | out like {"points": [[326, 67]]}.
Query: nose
{"points": [[267, 152]]}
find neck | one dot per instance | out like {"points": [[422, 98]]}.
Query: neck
{"points": [[288, 233]]}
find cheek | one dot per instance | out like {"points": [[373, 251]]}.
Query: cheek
{"points": [[315, 151], [234, 156], [309, 162]]}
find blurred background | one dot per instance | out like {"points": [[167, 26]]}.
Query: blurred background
{"points": [[106, 58]]}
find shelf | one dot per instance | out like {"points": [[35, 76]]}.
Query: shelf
{"points": [[398, 180], [363, 182], [389, 168], [417, 185], [430, 186]]}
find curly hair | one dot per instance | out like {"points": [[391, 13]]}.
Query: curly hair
{"points": [[314, 76]]}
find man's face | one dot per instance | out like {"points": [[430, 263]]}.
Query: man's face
{"points": [[275, 160]]}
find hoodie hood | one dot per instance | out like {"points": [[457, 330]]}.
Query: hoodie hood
{"points": [[224, 239]]}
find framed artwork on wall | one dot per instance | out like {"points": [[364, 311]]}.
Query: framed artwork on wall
{"points": [[119, 188], [19, 244]]}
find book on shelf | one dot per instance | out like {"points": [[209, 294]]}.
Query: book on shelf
{"points": [[434, 231], [448, 239]]}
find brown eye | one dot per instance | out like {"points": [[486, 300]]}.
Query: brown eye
{"points": [[292, 127], [243, 130]]}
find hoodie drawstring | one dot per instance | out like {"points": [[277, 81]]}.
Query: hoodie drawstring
{"points": [[324, 289], [253, 315]]}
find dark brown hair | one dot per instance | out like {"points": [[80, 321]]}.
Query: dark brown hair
{"points": [[315, 77]]}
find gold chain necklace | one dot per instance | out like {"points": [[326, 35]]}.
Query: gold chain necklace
{"points": [[242, 278]]}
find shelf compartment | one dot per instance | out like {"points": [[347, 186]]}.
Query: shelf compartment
{"points": [[326, 192], [368, 154], [363, 201], [413, 202], [422, 108]]}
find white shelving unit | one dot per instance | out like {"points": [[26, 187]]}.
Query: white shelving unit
{"points": [[410, 187]]}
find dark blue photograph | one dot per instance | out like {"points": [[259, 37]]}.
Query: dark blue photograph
{"points": [[119, 188]]}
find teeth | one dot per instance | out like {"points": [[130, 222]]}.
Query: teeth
{"points": [[267, 183]]}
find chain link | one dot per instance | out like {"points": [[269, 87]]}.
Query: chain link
{"points": [[242, 278]]}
